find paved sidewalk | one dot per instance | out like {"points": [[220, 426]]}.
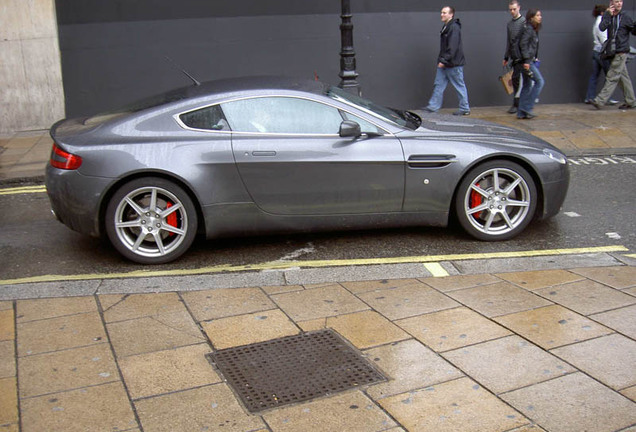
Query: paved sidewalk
{"points": [[547, 350], [574, 128]]}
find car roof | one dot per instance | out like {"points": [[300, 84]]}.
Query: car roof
{"points": [[211, 90], [231, 85]]}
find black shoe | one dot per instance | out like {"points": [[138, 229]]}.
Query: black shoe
{"points": [[522, 115], [626, 107], [512, 110], [461, 113]]}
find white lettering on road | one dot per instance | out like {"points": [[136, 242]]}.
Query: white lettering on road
{"points": [[609, 160]]}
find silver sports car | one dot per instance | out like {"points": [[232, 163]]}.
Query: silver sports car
{"points": [[269, 154]]}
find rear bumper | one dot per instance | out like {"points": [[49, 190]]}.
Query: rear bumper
{"points": [[75, 199]]}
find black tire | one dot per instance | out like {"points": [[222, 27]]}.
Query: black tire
{"points": [[147, 232], [496, 200]]}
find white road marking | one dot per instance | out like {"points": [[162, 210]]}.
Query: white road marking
{"points": [[298, 253]]}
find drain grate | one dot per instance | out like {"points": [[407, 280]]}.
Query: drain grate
{"points": [[293, 369]]}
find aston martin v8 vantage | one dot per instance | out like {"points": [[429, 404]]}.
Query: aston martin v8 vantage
{"points": [[257, 155]]}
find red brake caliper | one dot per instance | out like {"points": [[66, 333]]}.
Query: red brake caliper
{"points": [[172, 218], [475, 200]]}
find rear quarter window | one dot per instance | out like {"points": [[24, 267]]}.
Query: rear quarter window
{"points": [[208, 118]]}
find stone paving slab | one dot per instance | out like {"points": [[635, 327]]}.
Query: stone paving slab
{"points": [[482, 352]]}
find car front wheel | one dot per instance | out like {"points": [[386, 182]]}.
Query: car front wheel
{"points": [[496, 200], [151, 221]]}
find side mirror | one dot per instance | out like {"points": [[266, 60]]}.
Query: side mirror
{"points": [[349, 129]]}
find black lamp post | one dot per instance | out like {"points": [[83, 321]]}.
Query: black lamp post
{"points": [[348, 72]]}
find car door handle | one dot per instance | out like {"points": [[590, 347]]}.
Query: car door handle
{"points": [[430, 161], [263, 153]]}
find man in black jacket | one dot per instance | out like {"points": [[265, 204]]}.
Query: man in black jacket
{"points": [[450, 64], [618, 25], [512, 55]]}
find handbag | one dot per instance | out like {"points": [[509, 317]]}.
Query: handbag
{"points": [[506, 80], [608, 50]]}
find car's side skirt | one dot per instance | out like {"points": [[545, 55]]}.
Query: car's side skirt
{"points": [[246, 219]]}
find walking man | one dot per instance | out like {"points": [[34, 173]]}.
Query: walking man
{"points": [[618, 25], [450, 64], [512, 55]]}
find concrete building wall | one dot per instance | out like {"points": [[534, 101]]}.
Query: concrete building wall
{"points": [[31, 91]]}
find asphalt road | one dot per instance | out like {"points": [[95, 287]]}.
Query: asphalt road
{"points": [[599, 211]]}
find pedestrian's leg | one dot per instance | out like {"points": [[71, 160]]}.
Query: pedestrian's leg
{"points": [[437, 98], [516, 82], [524, 97], [611, 81], [626, 84], [539, 83], [456, 78], [593, 82]]}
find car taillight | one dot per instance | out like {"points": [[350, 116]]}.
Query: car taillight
{"points": [[64, 160]]}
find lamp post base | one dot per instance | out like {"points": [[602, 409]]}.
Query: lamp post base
{"points": [[348, 74]]}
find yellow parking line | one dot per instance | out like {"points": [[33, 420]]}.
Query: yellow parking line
{"points": [[436, 269], [284, 265], [23, 190]]}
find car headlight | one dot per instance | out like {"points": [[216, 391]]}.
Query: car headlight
{"points": [[556, 156]]}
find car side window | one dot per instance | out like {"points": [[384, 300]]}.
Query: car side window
{"points": [[208, 118], [286, 115], [365, 126]]}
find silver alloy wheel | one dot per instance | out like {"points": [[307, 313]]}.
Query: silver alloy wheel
{"points": [[498, 201], [151, 222]]}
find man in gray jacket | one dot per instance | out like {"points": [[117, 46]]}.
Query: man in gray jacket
{"points": [[619, 25], [512, 55]]}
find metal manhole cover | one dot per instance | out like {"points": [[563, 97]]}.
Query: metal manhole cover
{"points": [[293, 369]]}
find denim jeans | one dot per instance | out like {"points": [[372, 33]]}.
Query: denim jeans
{"points": [[598, 65], [532, 87], [454, 75]]}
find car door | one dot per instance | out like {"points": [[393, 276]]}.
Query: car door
{"points": [[293, 162]]}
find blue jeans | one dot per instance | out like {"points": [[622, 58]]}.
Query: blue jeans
{"points": [[598, 65], [454, 75], [530, 91]]}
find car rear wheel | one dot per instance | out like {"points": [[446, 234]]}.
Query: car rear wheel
{"points": [[151, 221], [496, 200]]}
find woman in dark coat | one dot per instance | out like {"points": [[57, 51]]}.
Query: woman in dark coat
{"points": [[533, 81]]}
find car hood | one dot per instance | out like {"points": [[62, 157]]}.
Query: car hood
{"points": [[447, 127]]}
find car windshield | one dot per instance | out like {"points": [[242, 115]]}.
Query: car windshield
{"points": [[401, 118]]}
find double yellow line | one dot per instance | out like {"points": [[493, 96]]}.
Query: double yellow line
{"points": [[431, 262], [23, 190]]}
